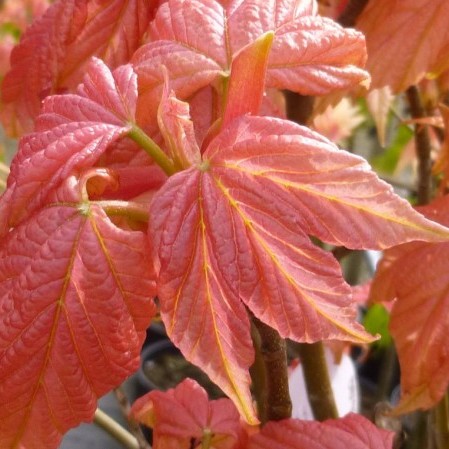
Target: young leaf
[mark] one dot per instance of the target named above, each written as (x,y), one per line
(52,54)
(76,298)
(353,431)
(247,81)
(416,275)
(71,133)
(184,414)
(234,229)
(405,41)
(197,41)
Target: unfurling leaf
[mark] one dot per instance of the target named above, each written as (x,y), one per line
(234,231)
(406,41)
(52,54)
(352,431)
(184,415)
(72,132)
(75,300)
(416,276)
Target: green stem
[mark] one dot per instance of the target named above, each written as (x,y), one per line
(153,149)
(319,389)
(207,439)
(129,209)
(273,350)
(114,429)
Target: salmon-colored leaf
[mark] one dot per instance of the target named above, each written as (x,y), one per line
(234,231)
(406,41)
(183,417)
(352,431)
(198,40)
(52,54)
(247,80)
(416,276)
(75,299)
(71,133)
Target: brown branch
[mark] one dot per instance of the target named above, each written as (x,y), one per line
(349,16)
(273,352)
(319,389)
(423,147)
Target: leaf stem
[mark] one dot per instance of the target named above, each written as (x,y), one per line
(273,350)
(113,428)
(423,147)
(152,148)
(319,389)
(130,209)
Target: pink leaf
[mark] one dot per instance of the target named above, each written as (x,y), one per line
(184,414)
(405,41)
(177,129)
(247,79)
(72,132)
(75,300)
(234,230)
(52,55)
(352,431)
(198,40)
(416,276)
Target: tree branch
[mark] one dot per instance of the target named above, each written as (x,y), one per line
(277,403)
(319,389)
(423,147)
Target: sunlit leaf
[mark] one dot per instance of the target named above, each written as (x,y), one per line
(416,276)
(75,300)
(53,53)
(406,41)
(197,41)
(233,231)
(71,133)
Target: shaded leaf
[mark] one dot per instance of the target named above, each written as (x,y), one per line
(72,132)
(53,52)
(416,276)
(75,299)
(184,415)
(197,41)
(406,41)
(353,431)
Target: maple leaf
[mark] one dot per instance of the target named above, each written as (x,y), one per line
(405,41)
(183,417)
(197,41)
(75,299)
(233,231)
(52,55)
(416,276)
(353,431)
(72,132)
